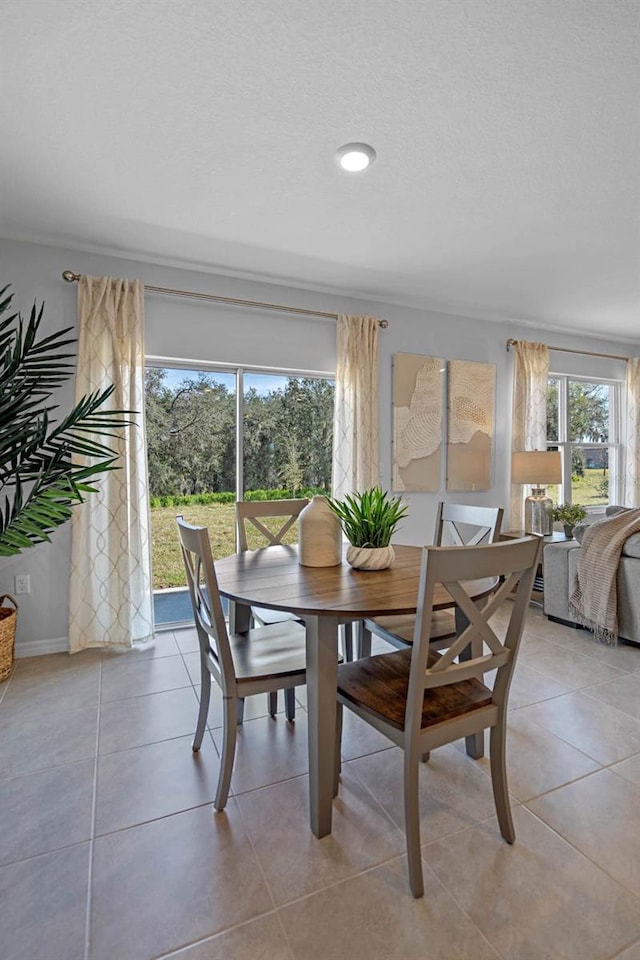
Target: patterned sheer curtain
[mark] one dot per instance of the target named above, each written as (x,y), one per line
(632,435)
(529,421)
(110,602)
(356,415)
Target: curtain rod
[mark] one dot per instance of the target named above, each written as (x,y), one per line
(71,277)
(585,353)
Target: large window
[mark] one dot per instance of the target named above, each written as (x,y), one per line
(583,422)
(218,435)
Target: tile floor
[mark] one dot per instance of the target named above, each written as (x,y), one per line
(110,850)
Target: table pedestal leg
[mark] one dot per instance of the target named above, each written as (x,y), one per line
(475,741)
(322,680)
(239,617)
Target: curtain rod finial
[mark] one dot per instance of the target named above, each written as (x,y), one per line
(70,276)
(383,324)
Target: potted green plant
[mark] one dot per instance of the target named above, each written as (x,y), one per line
(368,521)
(45,463)
(568,514)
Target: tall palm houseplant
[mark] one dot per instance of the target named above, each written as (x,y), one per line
(46,464)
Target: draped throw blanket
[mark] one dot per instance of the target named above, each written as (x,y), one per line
(594,601)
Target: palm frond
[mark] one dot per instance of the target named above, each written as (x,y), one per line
(46,467)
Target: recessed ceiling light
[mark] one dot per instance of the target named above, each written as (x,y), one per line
(355,157)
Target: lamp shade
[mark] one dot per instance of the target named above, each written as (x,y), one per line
(538,467)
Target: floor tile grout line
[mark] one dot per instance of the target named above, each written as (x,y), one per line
(184,686)
(387,815)
(145,823)
(577,636)
(598,866)
(619,671)
(458,904)
(255,854)
(620,955)
(568,742)
(549,676)
(624,713)
(560,786)
(214,936)
(94,804)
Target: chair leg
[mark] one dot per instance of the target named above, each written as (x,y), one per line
(347,642)
(290,703)
(497,755)
(205,695)
(475,741)
(273,703)
(229,732)
(412,823)
(364,641)
(240,710)
(338,758)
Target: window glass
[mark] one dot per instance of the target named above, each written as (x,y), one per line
(287,433)
(581,424)
(192,435)
(588,411)
(552,410)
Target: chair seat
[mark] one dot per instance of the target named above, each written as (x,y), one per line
(379,685)
(276,650)
(443,625)
(265,616)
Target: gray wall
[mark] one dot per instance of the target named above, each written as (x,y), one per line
(188,330)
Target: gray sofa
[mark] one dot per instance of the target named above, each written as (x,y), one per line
(560,563)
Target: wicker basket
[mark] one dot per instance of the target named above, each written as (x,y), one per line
(8,617)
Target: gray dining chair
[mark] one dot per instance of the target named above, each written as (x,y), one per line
(456,525)
(256,528)
(421,698)
(254,520)
(263,660)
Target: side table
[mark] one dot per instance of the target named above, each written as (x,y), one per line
(537,594)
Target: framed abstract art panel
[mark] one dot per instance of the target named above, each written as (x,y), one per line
(417,422)
(471,424)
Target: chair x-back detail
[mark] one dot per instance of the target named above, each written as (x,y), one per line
(252,513)
(263,660)
(421,699)
(456,525)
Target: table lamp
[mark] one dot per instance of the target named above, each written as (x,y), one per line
(537,467)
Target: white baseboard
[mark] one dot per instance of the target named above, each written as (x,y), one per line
(36,648)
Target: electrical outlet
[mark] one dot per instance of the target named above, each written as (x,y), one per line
(22,583)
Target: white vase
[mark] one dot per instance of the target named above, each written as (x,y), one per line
(370,558)
(319,535)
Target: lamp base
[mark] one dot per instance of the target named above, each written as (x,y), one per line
(538,513)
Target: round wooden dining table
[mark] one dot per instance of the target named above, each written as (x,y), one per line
(323,598)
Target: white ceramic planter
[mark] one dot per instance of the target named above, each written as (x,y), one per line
(370,558)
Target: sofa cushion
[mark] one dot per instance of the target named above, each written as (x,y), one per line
(613,510)
(632,546)
(580,528)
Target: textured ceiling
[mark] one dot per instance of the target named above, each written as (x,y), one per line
(203,132)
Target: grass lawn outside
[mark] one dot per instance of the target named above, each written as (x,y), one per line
(168,570)
(586,490)
(220,518)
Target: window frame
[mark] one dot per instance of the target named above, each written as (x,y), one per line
(239,370)
(614,443)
